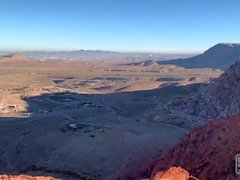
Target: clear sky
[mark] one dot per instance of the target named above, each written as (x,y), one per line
(120,25)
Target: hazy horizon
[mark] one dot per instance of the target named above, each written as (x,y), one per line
(103,50)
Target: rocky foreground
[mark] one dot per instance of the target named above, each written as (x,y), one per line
(207,153)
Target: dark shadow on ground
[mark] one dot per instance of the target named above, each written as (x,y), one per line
(80,136)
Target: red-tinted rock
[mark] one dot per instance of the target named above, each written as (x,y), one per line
(208,152)
(173,173)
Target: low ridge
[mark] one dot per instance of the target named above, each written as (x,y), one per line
(15,56)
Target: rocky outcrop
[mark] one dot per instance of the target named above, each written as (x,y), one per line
(220,98)
(25,177)
(207,153)
(10,104)
(173,173)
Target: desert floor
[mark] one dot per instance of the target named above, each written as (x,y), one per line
(75,120)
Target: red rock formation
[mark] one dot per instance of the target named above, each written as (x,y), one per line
(208,152)
(25,177)
(173,173)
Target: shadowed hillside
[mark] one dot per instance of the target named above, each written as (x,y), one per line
(220,98)
(207,153)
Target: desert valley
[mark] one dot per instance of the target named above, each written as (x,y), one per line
(117,119)
(119,90)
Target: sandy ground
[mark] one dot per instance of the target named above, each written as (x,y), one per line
(76,120)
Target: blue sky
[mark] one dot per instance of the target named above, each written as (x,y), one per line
(120,25)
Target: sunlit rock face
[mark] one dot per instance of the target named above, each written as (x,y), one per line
(173,173)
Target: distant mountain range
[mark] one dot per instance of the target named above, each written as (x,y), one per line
(220,56)
(71,54)
(93,54)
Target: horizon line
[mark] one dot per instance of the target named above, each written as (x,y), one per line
(153,51)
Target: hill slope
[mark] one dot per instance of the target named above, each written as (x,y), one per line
(220,98)
(220,56)
(208,152)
